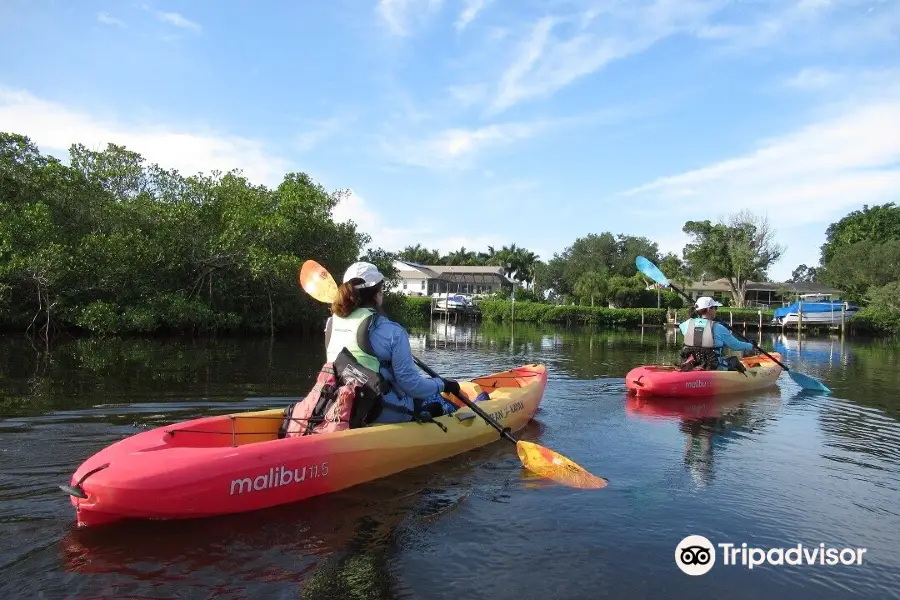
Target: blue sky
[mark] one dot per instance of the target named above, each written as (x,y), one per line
(483,122)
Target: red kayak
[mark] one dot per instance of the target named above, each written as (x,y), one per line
(661,380)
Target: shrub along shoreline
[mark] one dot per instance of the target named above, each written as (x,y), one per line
(868,321)
(536,312)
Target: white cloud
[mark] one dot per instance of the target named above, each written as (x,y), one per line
(567,44)
(400,15)
(813,78)
(469,12)
(458,147)
(354,207)
(801,26)
(107,19)
(319,132)
(545,64)
(179,20)
(424,231)
(468,95)
(814,175)
(53,126)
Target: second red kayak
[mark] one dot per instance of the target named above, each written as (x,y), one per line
(662,380)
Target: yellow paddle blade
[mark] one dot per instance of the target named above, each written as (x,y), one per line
(317,282)
(551,465)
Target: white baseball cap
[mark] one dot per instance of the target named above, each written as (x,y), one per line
(706,302)
(368,272)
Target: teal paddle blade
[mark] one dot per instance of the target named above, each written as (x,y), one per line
(650,270)
(807,382)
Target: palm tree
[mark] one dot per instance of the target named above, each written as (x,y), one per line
(590,283)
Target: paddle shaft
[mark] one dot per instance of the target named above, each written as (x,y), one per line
(755,346)
(475,408)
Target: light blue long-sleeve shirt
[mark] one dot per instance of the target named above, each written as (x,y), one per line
(721,337)
(390,342)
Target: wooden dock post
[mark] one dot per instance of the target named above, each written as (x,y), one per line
(843,317)
(642,319)
(799,318)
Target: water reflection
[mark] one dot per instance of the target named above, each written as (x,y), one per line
(709,425)
(777,466)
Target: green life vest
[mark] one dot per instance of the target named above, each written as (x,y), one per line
(351,332)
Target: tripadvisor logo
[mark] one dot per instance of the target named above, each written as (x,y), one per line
(696,555)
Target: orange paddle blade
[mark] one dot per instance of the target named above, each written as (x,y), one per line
(317,282)
(551,465)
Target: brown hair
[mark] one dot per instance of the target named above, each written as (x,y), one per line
(700,312)
(350,298)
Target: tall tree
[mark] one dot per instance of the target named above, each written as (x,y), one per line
(878,224)
(862,267)
(420,254)
(461,257)
(740,249)
(803,274)
(590,284)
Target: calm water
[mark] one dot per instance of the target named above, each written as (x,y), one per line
(770,469)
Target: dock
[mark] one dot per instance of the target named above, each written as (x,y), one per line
(453,313)
(838,325)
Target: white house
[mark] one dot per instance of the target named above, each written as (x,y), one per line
(425,280)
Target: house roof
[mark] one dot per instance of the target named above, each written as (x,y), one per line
(455,273)
(418,270)
(721,285)
(474,278)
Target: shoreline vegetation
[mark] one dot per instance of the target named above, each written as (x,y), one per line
(106,244)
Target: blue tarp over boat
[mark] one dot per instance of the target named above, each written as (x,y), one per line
(812,307)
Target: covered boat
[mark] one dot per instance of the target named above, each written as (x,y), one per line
(817,309)
(237,463)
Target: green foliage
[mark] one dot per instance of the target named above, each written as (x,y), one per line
(882,315)
(878,224)
(112,245)
(862,266)
(518,263)
(407,310)
(740,250)
(670,299)
(534,312)
(876,321)
(804,274)
(590,284)
(584,269)
(421,255)
(384,260)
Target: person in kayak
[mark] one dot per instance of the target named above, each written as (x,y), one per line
(359,324)
(705,340)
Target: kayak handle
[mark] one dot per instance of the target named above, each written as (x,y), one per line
(76,490)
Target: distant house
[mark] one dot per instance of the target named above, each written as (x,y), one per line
(425,280)
(759,294)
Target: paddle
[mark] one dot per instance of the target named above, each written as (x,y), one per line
(652,271)
(318,283)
